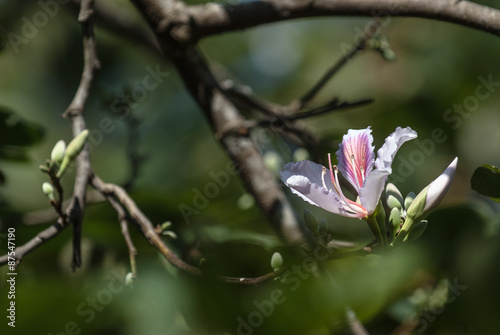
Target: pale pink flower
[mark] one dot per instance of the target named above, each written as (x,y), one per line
(356,161)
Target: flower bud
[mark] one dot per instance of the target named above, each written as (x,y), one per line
(392,191)
(73,149)
(276,261)
(48,189)
(170,234)
(245,202)
(432,195)
(272,161)
(57,153)
(129,279)
(409,199)
(165,225)
(395,221)
(392,202)
(427,200)
(300,154)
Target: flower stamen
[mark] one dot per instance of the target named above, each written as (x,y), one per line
(323,174)
(351,205)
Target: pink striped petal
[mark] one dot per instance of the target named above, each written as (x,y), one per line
(355,156)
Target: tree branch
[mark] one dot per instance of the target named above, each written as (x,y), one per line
(188,24)
(74,112)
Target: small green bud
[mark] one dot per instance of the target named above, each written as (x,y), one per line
(72,150)
(416,231)
(273,161)
(391,189)
(245,202)
(129,279)
(395,220)
(48,189)
(409,199)
(389,55)
(57,153)
(417,207)
(165,225)
(170,234)
(300,154)
(392,202)
(311,222)
(276,261)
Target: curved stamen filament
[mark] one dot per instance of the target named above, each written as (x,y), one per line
(351,205)
(323,174)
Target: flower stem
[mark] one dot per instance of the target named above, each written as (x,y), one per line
(375,228)
(404,231)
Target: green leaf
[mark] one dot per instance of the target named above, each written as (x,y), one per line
(486,181)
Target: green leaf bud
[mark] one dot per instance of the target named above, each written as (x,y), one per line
(392,202)
(395,221)
(72,150)
(416,208)
(170,234)
(57,153)
(129,279)
(409,199)
(48,189)
(276,261)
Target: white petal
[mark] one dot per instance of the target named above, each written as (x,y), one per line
(303,178)
(393,142)
(439,187)
(370,193)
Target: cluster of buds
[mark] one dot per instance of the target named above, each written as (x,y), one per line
(60,159)
(408,222)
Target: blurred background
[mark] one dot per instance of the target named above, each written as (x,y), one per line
(158,142)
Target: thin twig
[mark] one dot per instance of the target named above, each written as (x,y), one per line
(345,59)
(122,218)
(111,191)
(48,214)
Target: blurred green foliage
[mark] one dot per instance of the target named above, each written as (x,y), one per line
(438,66)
